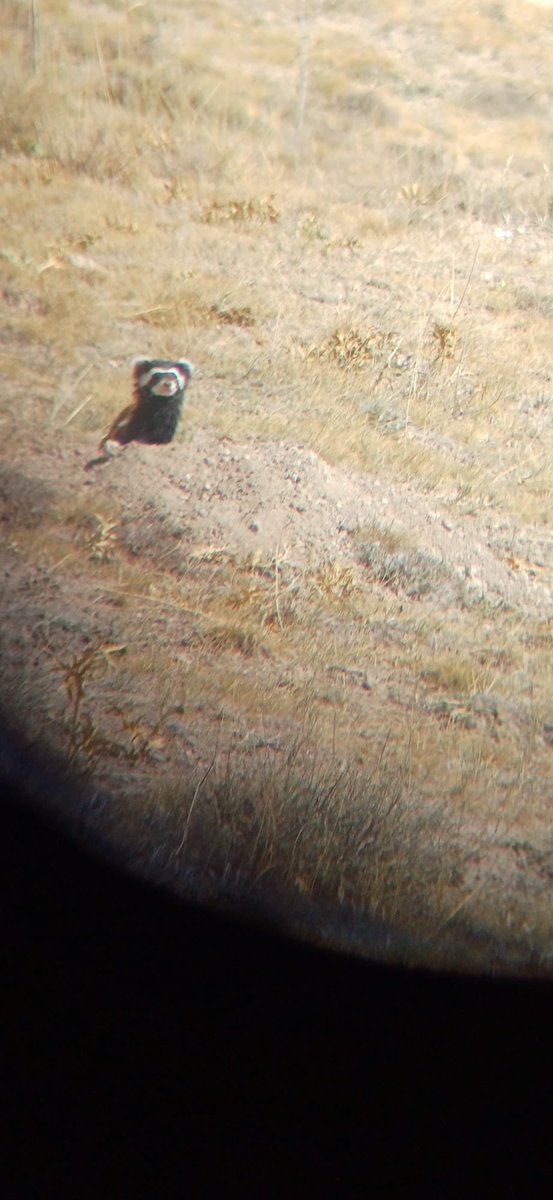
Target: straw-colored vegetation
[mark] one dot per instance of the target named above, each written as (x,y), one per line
(344,215)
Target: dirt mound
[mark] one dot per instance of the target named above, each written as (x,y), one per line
(207,496)
(362,563)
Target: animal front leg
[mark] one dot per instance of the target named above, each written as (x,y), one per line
(110,450)
(115,440)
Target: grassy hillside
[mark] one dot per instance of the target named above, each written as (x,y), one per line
(344,217)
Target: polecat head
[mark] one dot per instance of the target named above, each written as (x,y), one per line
(159,377)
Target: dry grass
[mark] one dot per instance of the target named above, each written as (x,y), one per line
(346,220)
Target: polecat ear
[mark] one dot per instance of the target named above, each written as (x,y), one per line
(184,365)
(141,368)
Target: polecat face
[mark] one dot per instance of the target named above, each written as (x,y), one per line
(160,378)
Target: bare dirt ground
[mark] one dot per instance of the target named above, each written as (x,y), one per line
(299,658)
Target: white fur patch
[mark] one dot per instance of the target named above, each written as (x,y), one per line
(178,379)
(110,447)
(168,385)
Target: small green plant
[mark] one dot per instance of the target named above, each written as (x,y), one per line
(311,229)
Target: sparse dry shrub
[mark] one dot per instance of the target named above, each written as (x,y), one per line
(145,739)
(242,317)
(416,573)
(198,301)
(420,194)
(257,210)
(335,581)
(147,90)
(265,600)
(390,539)
(457,673)
(100,537)
(318,831)
(86,741)
(353,348)
(234,635)
(444,338)
(209,553)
